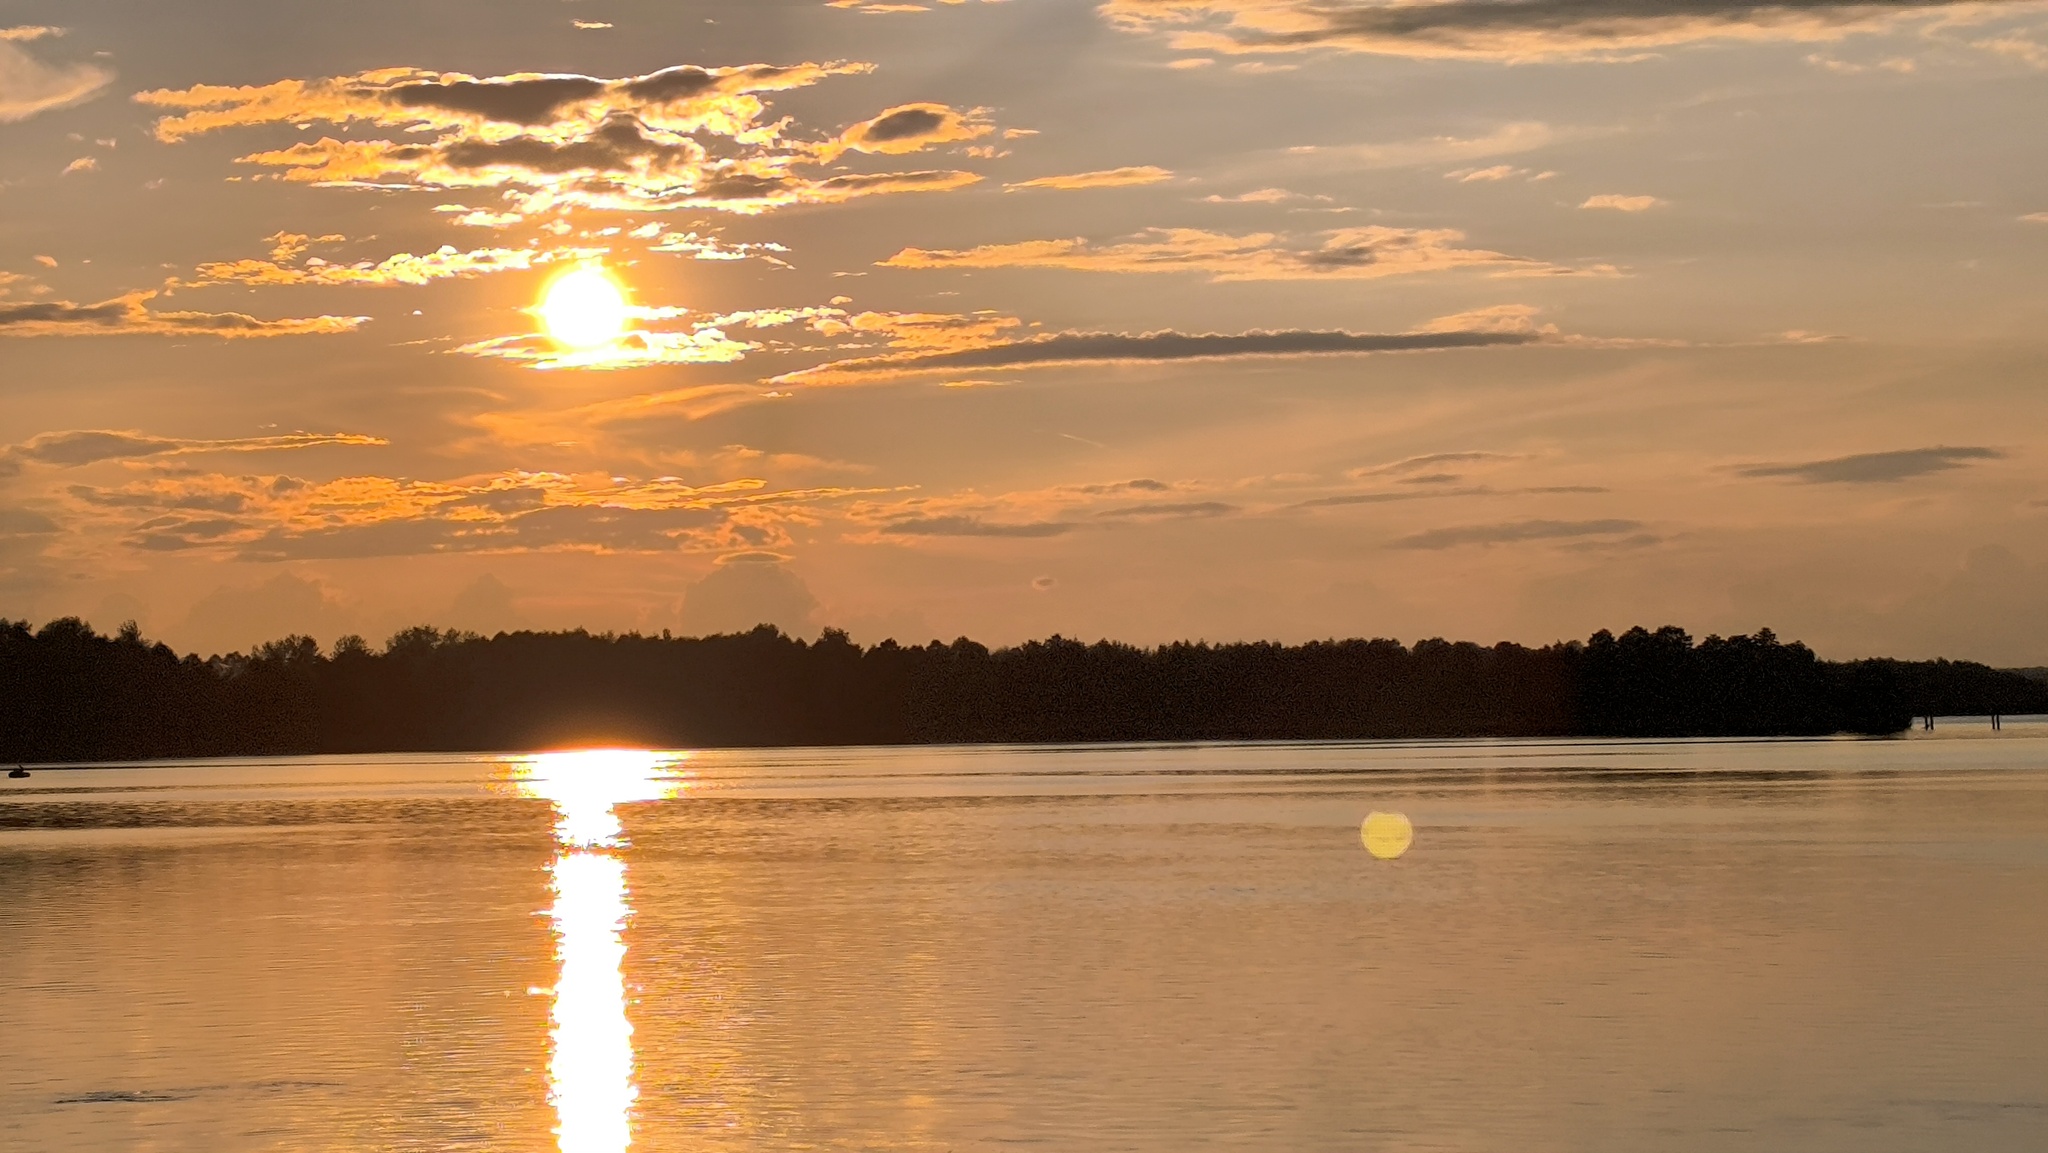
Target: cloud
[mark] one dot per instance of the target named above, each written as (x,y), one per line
(706,340)
(1506,140)
(1497,173)
(577,528)
(912,127)
(974,526)
(236,617)
(682,137)
(284,518)
(89,446)
(28,86)
(1351,253)
(1434,461)
(1346,500)
(1105,178)
(1497,31)
(639,348)
(1620,203)
(1876,467)
(1072,348)
(127,315)
(1515,532)
(445,263)
(1260,196)
(1203,508)
(747,589)
(26,522)
(82,164)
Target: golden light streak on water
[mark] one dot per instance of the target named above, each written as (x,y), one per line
(590,1072)
(590,1068)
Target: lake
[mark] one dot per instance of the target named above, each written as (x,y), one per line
(1568,946)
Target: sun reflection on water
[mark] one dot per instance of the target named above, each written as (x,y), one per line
(590,1070)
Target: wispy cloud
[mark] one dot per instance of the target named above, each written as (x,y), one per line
(1072,348)
(1104,178)
(1489,30)
(1877,467)
(284,518)
(1431,462)
(29,86)
(1366,253)
(89,446)
(973,526)
(1171,510)
(129,316)
(445,263)
(1515,532)
(1621,203)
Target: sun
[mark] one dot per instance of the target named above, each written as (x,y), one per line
(584,308)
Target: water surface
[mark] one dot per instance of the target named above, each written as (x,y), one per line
(1770,945)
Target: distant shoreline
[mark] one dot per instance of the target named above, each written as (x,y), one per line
(70,695)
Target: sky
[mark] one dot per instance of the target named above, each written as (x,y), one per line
(1139,319)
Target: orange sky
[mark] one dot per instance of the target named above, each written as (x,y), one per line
(1141,319)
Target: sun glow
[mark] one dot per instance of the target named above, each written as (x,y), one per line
(585,308)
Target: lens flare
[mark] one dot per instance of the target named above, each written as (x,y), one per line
(1386,835)
(584,308)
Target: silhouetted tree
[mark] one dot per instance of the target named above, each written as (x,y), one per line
(70,694)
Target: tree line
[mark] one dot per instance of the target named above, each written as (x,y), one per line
(68,693)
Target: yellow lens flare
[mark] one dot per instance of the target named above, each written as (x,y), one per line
(1386,835)
(585,308)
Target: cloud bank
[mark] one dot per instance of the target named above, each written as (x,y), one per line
(682,137)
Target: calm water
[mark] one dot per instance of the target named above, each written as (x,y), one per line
(1719,946)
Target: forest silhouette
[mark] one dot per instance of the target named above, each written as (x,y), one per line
(68,693)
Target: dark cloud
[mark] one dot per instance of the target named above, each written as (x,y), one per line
(230,502)
(621,142)
(1877,467)
(22,522)
(88,446)
(671,84)
(127,315)
(974,526)
(1508,29)
(524,100)
(904,124)
(1514,532)
(1150,347)
(173,535)
(1187,509)
(1384,497)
